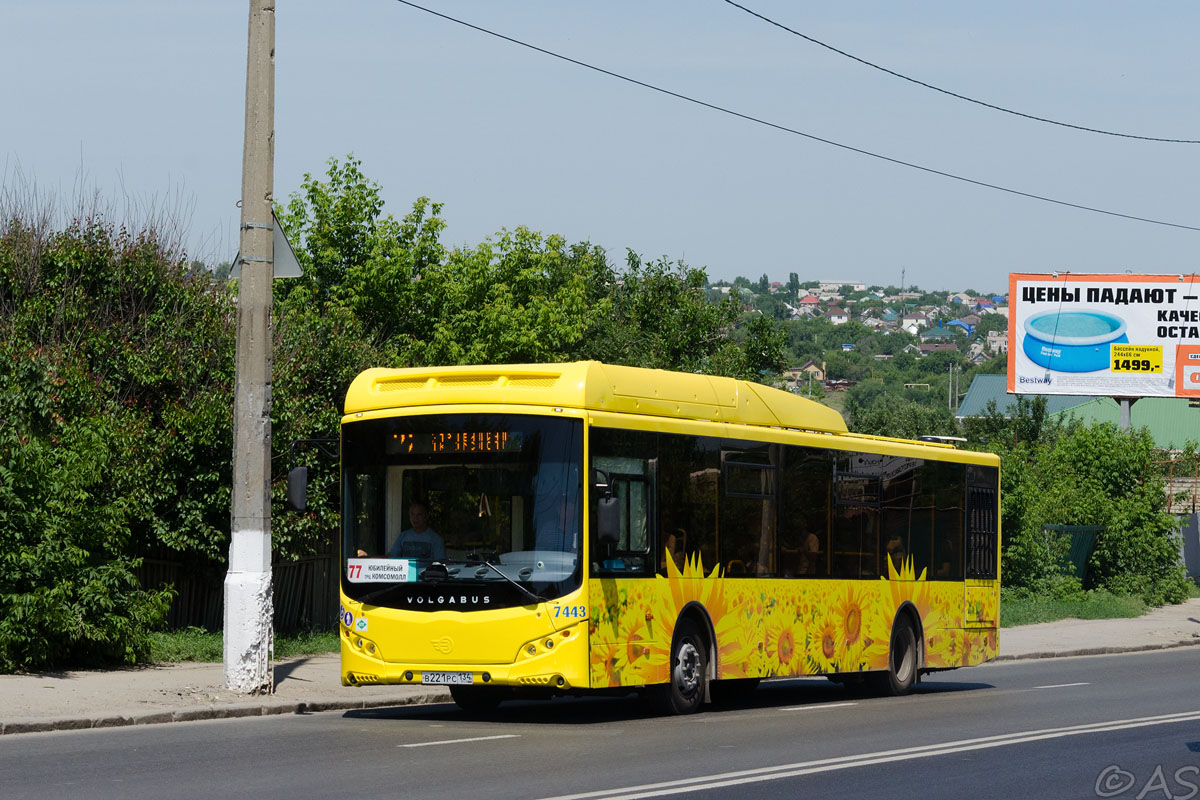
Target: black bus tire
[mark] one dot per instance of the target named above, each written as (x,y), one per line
(684,691)
(903,669)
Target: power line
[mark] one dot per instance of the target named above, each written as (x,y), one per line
(793,131)
(950,93)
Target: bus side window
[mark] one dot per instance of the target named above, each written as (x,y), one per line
(804,520)
(629,459)
(688,470)
(949,501)
(747,524)
(906,534)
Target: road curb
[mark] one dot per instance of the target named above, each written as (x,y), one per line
(216,712)
(1097,651)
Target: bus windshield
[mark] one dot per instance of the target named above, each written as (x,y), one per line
(481,508)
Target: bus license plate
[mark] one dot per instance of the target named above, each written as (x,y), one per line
(447,678)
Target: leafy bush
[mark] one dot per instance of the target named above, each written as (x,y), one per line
(114,381)
(1077,475)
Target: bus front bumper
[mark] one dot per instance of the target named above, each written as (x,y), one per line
(555,662)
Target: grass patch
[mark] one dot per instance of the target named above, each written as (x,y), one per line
(197,644)
(305,644)
(1099,604)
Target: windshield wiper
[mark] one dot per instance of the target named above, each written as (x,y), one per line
(372,595)
(534,597)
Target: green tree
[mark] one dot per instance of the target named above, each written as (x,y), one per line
(115,389)
(901,418)
(1073,474)
(660,318)
(772,305)
(521,298)
(991,322)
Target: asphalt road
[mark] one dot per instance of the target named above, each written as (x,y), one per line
(1104,726)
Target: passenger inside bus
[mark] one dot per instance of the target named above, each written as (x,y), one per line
(674,543)
(896,551)
(809,562)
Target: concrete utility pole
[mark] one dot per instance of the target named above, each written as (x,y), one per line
(249,637)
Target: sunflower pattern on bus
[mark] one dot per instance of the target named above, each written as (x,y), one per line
(770,628)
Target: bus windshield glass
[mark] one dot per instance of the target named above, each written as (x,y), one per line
(485,508)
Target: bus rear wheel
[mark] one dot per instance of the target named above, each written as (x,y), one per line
(903,669)
(684,692)
(477,699)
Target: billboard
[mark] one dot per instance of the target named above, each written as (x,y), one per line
(1107,335)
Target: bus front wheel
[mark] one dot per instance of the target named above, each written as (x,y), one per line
(684,693)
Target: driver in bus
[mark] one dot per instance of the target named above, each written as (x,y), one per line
(418,541)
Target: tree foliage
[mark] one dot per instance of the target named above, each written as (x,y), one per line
(1055,474)
(114,392)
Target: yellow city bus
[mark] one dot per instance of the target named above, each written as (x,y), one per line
(532,530)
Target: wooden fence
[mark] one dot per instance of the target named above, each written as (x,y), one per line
(305,593)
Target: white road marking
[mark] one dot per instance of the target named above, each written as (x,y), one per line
(1062,685)
(460,741)
(818,707)
(722,780)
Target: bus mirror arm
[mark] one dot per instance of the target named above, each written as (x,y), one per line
(602,482)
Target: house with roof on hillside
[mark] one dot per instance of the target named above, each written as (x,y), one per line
(1172,421)
(994,388)
(836,286)
(943,334)
(961,324)
(913,321)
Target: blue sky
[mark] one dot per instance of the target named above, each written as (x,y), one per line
(143,102)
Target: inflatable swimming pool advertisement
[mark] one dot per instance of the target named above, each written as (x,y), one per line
(1108,335)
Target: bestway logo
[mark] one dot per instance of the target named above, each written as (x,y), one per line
(1046,381)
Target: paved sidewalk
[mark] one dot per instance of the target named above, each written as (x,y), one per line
(1170,626)
(179,692)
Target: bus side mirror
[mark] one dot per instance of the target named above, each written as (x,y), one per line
(297,489)
(608,521)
